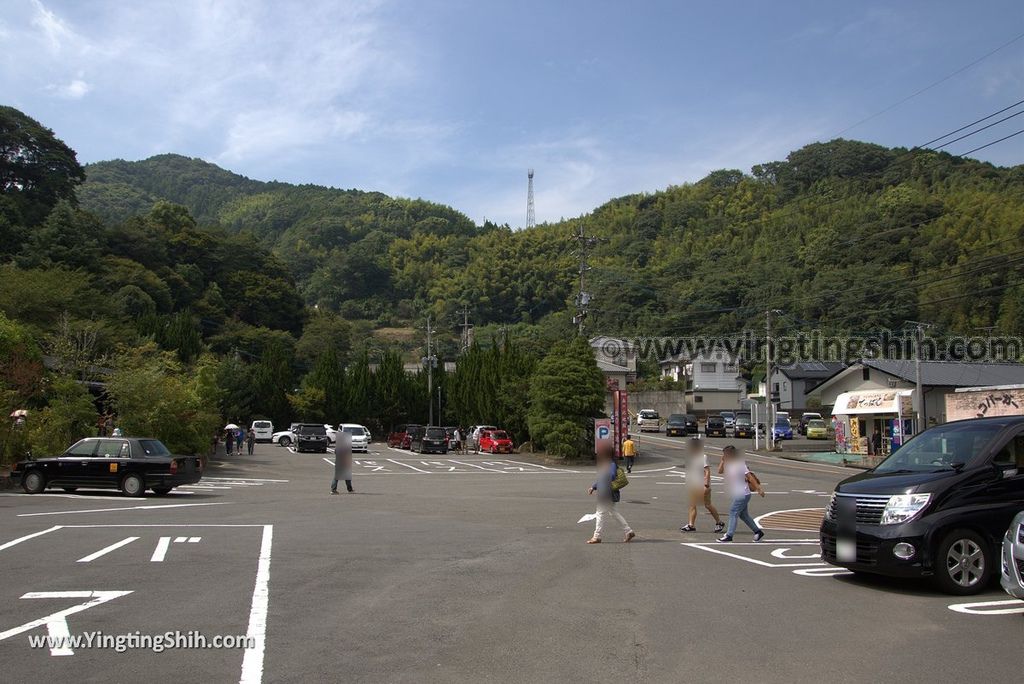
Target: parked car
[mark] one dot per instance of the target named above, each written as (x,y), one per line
(816,429)
(285,438)
(744,428)
(782,429)
(692,426)
(730,420)
(938,507)
(396,436)
(715,427)
(360,436)
(806,418)
(495,442)
(429,440)
(675,426)
(401,436)
(449,434)
(132,464)
(1013,558)
(474,435)
(648,420)
(264,430)
(332,433)
(311,437)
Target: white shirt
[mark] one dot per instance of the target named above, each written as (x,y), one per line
(736,478)
(695,465)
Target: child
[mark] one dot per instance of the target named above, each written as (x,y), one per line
(607,497)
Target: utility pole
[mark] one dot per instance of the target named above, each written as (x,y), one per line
(585,244)
(769,422)
(466,327)
(430,360)
(922,413)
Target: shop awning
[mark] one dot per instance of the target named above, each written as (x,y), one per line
(874,401)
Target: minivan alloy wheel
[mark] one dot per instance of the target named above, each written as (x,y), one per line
(965,562)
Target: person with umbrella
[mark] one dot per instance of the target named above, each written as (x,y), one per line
(229,438)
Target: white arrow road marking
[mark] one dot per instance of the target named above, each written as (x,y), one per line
(124,508)
(56,623)
(105,550)
(989,607)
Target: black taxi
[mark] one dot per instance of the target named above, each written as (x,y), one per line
(130,464)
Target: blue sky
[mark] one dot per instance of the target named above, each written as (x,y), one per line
(452,100)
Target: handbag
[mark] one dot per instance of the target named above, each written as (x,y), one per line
(620,480)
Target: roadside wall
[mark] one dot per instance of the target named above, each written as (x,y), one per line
(664,402)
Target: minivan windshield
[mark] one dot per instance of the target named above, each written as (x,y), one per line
(942,447)
(676,419)
(435,433)
(648,414)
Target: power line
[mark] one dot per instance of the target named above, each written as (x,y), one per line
(983,128)
(931,85)
(1007,137)
(984,118)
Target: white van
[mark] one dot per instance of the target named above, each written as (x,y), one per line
(648,420)
(264,430)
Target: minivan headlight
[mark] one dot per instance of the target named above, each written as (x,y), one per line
(903,507)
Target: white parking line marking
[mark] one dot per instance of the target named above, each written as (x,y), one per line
(245,479)
(989,607)
(252,661)
(824,571)
(104,551)
(15,542)
(473,465)
(755,561)
(193,540)
(408,466)
(161,550)
(783,554)
(180,540)
(537,465)
(123,508)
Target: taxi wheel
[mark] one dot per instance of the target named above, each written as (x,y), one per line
(33,482)
(133,485)
(962,563)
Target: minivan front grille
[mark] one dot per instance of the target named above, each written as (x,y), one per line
(869,507)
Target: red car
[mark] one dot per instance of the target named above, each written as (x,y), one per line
(401,436)
(495,442)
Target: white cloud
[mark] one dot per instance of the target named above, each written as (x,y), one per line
(73,90)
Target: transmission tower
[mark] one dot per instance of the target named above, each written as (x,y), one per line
(531,219)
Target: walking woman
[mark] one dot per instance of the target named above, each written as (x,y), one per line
(739,482)
(250,440)
(342,462)
(607,497)
(229,441)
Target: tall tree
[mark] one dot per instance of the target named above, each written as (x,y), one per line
(37,170)
(566,394)
(272,382)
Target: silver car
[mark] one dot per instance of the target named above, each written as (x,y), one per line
(1013,558)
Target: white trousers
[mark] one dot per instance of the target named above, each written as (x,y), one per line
(606,509)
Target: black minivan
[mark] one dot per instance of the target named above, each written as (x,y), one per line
(937,507)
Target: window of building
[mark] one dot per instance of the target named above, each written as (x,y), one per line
(707,367)
(698,399)
(865,373)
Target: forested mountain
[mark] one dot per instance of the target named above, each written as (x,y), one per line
(193,295)
(846,236)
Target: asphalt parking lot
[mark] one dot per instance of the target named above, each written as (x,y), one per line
(467,568)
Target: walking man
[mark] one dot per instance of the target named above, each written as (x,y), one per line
(698,486)
(250,440)
(607,497)
(342,462)
(229,441)
(739,482)
(629,452)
